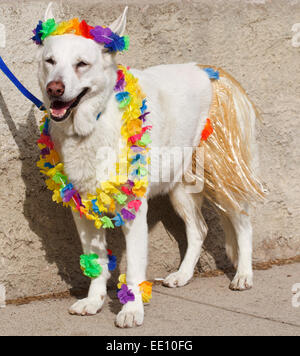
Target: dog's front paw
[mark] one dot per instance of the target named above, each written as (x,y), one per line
(132,314)
(177,279)
(87,306)
(242,282)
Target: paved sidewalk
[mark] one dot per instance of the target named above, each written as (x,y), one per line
(205,307)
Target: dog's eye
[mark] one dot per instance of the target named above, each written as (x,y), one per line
(50,61)
(81,64)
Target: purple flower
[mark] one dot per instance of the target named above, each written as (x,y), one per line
(131,183)
(102,34)
(143,117)
(67,193)
(125,295)
(120,85)
(135,148)
(45,151)
(127,215)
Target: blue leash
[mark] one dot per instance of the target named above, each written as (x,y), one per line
(20,86)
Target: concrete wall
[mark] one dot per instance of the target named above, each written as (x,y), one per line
(39,247)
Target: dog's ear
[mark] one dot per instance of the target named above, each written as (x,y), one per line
(119,25)
(49,12)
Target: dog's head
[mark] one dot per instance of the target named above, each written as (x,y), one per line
(77,76)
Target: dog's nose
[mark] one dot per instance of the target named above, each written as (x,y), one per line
(55,88)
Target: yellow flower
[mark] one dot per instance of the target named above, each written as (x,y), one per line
(119,180)
(140,187)
(106,200)
(122,280)
(102,208)
(41,146)
(132,112)
(122,166)
(71,204)
(91,197)
(51,185)
(124,132)
(98,223)
(88,204)
(63,27)
(56,196)
(41,164)
(59,168)
(108,188)
(141,183)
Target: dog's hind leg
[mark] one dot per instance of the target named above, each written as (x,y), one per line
(238,232)
(93,241)
(188,206)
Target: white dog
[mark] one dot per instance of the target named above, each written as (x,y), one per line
(81,75)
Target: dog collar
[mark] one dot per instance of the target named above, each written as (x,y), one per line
(100,34)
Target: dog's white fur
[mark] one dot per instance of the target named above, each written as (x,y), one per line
(179,98)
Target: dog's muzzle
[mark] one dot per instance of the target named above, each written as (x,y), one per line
(60,110)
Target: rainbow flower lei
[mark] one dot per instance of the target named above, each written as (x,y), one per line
(100,34)
(120,196)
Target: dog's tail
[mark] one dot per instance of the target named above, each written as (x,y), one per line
(230,155)
(230,152)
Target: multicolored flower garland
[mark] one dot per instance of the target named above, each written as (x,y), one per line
(104,35)
(120,196)
(92,269)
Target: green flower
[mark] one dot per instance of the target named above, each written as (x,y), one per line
(90,266)
(121,198)
(107,223)
(126,42)
(47,28)
(59,177)
(146,140)
(125,103)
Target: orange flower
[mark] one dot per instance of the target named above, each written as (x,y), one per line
(207,131)
(134,127)
(146,289)
(75,24)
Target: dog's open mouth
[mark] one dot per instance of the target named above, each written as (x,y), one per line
(60,110)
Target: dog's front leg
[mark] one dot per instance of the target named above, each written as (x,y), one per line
(136,233)
(93,241)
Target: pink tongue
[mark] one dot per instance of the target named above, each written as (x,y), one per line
(59,108)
